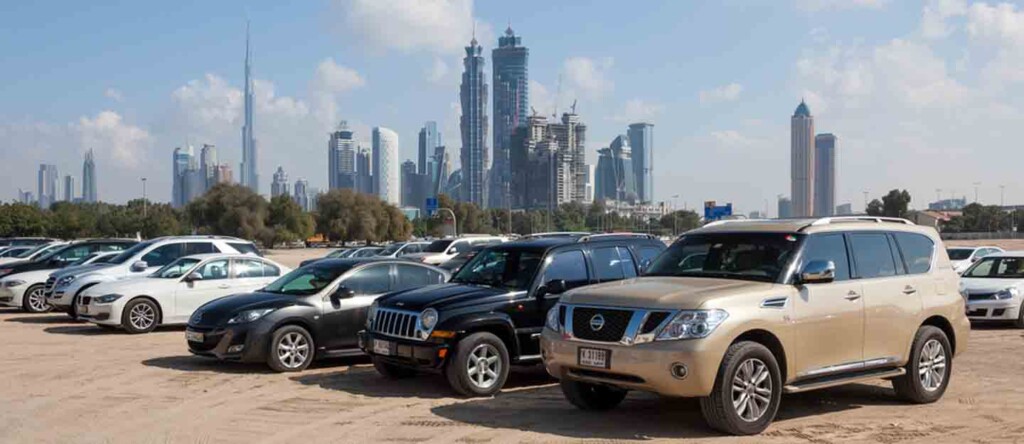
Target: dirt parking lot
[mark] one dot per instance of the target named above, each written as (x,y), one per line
(68,382)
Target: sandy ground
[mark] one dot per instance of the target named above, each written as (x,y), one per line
(66,382)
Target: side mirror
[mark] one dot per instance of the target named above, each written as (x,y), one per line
(192,277)
(556,286)
(139,266)
(975,259)
(818,272)
(342,292)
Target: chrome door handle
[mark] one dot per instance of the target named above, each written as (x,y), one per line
(909,290)
(852,296)
(224,286)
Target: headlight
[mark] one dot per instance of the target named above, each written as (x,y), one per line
(371,314)
(13,283)
(249,316)
(107,298)
(428,320)
(552,319)
(1007,293)
(692,324)
(66,280)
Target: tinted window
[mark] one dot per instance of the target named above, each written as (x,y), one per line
(73,253)
(244,248)
(375,279)
(412,276)
(512,269)
(997,267)
(647,255)
(917,251)
(175,269)
(959,254)
(828,247)
(568,266)
(199,248)
(306,280)
(872,255)
(162,255)
(438,246)
(460,247)
(213,270)
(411,249)
(750,256)
(248,268)
(612,263)
(270,270)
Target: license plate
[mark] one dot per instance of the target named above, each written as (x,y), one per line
(594,357)
(381,347)
(83,309)
(194,336)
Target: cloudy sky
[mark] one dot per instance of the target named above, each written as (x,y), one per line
(922,95)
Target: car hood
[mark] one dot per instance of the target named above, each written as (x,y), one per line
(442,296)
(133,287)
(674,293)
(988,285)
(218,311)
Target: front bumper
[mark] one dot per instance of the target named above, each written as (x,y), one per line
(60,298)
(405,352)
(12,296)
(993,310)
(646,367)
(242,342)
(99,314)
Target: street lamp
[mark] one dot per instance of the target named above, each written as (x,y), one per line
(144,209)
(455,221)
(675,216)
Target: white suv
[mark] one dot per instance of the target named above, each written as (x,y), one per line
(441,250)
(141,260)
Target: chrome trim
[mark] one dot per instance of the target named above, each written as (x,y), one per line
(631,336)
(395,323)
(776,303)
(849,366)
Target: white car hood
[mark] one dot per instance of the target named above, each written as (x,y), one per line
(133,287)
(986,285)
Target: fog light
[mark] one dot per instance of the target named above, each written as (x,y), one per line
(679,370)
(236,348)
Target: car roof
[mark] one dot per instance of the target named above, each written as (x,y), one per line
(1014,253)
(205,256)
(815,225)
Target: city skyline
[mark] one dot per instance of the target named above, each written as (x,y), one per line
(861,80)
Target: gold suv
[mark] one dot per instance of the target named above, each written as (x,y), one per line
(737,313)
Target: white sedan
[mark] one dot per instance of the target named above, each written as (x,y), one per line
(963,257)
(172,293)
(994,288)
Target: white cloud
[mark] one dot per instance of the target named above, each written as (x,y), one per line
(541,98)
(113,94)
(333,78)
(731,139)
(439,26)
(1002,24)
(588,77)
(819,5)
(725,93)
(107,132)
(638,110)
(936,14)
(438,71)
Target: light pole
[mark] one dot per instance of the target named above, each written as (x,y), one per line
(675,216)
(455,221)
(865,201)
(976,191)
(144,202)
(1002,193)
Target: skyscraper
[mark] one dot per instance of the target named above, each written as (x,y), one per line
(250,162)
(824,174)
(442,170)
(301,194)
(89,178)
(386,183)
(341,158)
(208,164)
(785,207)
(179,190)
(571,134)
(280,184)
(510,79)
(410,180)
(429,140)
(364,176)
(641,139)
(48,186)
(615,179)
(475,158)
(547,162)
(802,161)
(69,188)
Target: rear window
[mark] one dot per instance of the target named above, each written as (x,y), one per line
(245,248)
(872,255)
(917,252)
(438,246)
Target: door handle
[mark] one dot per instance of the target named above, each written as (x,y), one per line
(909,290)
(852,296)
(223,286)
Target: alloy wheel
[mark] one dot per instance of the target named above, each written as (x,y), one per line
(293,350)
(483,366)
(931,367)
(37,300)
(751,390)
(142,316)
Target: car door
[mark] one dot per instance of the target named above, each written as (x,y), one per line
(160,256)
(566,265)
(889,301)
(215,283)
(250,274)
(409,276)
(828,318)
(343,320)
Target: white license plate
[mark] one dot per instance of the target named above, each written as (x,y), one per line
(594,357)
(83,309)
(194,336)
(381,347)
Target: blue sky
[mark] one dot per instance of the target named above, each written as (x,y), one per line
(922,95)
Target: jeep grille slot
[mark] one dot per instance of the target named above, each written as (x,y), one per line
(612,327)
(397,323)
(653,321)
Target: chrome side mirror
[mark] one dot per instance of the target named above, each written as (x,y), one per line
(139,266)
(818,272)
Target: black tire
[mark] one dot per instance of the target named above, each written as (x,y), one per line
(911,386)
(595,397)
(743,360)
(392,371)
(495,372)
(140,315)
(1019,323)
(73,310)
(291,349)
(34,301)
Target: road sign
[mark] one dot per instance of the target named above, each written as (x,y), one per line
(431,205)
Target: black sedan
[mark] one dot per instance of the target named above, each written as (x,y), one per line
(312,312)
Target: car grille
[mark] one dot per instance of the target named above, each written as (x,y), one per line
(48,286)
(981,296)
(612,330)
(86,300)
(397,323)
(653,321)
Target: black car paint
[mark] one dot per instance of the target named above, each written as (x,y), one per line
(52,263)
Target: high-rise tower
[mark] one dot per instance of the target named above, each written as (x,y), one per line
(280,184)
(801,168)
(510,80)
(475,158)
(641,139)
(341,158)
(89,178)
(824,174)
(248,172)
(386,182)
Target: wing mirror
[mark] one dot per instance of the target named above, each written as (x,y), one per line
(139,266)
(818,272)
(192,277)
(555,286)
(342,292)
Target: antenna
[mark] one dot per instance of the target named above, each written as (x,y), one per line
(574,106)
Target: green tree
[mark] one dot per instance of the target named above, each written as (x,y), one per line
(286,222)
(679,221)
(230,210)
(896,203)
(17,219)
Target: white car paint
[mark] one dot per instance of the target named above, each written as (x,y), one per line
(980,293)
(976,254)
(457,246)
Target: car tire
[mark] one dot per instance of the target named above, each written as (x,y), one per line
(140,315)
(1019,323)
(929,368)
(392,371)
(479,366)
(73,310)
(744,409)
(34,300)
(595,397)
(291,349)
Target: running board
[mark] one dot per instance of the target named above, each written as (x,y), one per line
(845,378)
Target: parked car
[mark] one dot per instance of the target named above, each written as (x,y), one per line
(25,241)
(24,283)
(312,312)
(444,249)
(170,295)
(963,257)
(35,253)
(993,288)
(771,307)
(141,260)
(333,254)
(401,249)
(7,252)
(491,313)
(100,257)
(454,264)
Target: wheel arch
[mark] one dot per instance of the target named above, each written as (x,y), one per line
(770,341)
(159,307)
(943,324)
(503,331)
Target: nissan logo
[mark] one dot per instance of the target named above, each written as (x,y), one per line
(597,322)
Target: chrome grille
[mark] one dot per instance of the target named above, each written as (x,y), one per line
(619,325)
(397,323)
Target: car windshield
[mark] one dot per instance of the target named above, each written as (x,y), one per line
(509,269)
(30,252)
(131,252)
(104,258)
(306,280)
(391,249)
(438,246)
(959,254)
(84,259)
(50,250)
(336,253)
(175,269)
(747,256)
(997,268)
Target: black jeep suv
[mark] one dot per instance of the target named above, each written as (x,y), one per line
(491,314)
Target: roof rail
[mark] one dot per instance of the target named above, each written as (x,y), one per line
(602,236)
(728,221)
(874,219)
